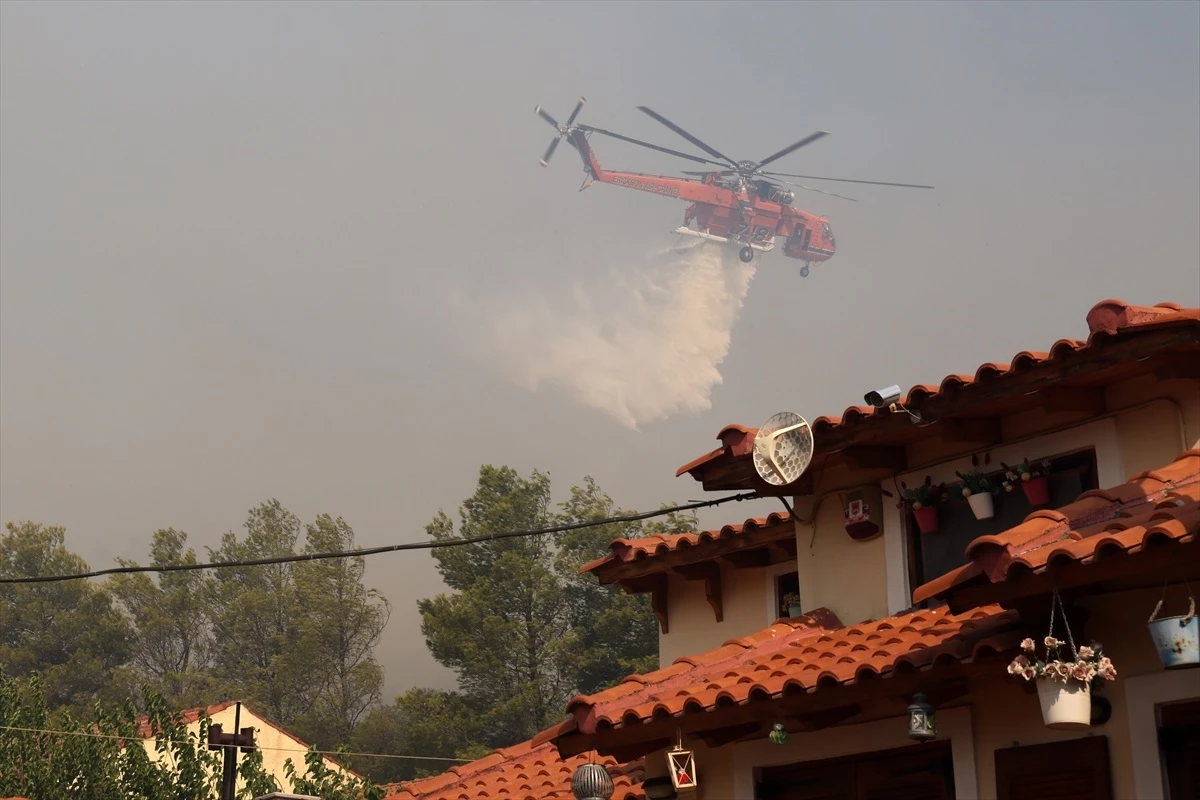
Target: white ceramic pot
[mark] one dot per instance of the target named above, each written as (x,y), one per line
(1066,705)
(981,505)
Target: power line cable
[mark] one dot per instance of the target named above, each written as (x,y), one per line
(256,747)
(370,551)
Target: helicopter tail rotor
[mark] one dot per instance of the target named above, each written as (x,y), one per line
(563,130)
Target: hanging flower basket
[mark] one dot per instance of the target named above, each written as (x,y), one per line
(923,503)
(1177,638)
(1064,684)
(927,518)
(1033,479)
(980,491)
(1066,705)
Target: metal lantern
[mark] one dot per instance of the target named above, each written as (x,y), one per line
(682,764)
(779,734)
(592,782)
(922,721)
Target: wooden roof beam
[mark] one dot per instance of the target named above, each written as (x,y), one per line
(890,458)
(1085,401)
(981,431)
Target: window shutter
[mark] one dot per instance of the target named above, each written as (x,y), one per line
(1075,769)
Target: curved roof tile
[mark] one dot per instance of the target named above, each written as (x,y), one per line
(1159,503)
(1106,320)
(803,654)
(527,771)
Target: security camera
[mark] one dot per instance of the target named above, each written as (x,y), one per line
(883,398)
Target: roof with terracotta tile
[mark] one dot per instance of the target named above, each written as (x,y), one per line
(522,772)
(1157,505)
(805,654)
(1109,321)
(627,551)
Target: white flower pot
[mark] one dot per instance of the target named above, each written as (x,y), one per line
(981,505)
(1066,705)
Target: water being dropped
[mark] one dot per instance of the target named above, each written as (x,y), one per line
(639,345)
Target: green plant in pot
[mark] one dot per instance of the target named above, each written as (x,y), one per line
(1033,479)
(923,502)
(980,491)
(791,601)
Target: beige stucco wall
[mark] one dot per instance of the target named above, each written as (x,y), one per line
(836,572)
(1151,423)
(999,712)
(277,747)
(860,581)
(693,627)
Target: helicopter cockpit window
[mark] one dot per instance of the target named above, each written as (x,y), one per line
(825,231)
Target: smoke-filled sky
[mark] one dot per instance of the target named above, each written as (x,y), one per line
(306,251)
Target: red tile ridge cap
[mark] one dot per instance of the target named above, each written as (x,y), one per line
(1111,316)
(1004,552)
(784,634)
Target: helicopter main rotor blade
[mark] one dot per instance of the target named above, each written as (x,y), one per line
(848,180)
(575,113)
(790,148)
(550,150)
(541,112)
(821,191)
(667,150)
(687,135)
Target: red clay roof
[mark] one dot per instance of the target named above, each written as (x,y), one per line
(806,653)
(1106,320)
(625,551)
(521,772)
(1157,504)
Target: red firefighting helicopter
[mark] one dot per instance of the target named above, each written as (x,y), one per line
(735,204)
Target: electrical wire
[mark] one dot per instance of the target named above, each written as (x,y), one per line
(370,551)
(256,747)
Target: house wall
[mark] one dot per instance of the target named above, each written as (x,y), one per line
(1151,423)
(747,602)
(277,747)
(999,712)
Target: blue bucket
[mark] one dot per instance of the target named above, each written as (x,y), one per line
(1177,638)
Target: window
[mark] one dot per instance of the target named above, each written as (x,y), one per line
(933,555)
(785,584)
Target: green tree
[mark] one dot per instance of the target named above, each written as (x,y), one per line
(46,759)
(506,629)
(521,627)
(69,630)
(617,632)
(342,621)
(258,651)
(436,724)
(173,638)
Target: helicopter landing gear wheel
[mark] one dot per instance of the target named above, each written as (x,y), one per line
(746,254)
(804,271)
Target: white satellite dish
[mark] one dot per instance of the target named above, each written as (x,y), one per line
(783,448)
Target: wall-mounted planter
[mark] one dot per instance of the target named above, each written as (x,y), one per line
(1037,490)
(927,518)
(1066,705)
(982,505)
(1177,638)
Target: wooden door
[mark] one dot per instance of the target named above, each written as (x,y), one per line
(1075,769)
(1179,740)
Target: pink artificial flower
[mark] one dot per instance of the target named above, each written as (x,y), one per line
(1064,670)
(1080,673)
(1027,644)
(1030,673)
(1086,652)
(1050,641)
